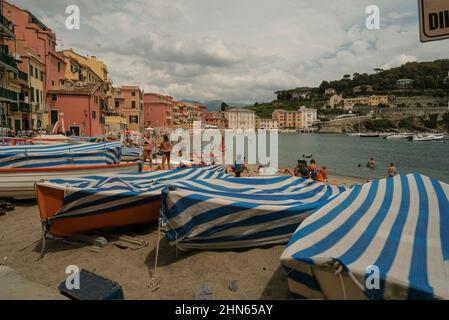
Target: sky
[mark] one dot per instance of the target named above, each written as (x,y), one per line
(239,51)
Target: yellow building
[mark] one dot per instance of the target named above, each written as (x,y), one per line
(99,71)
(287,119)
(372,101)
(36,96)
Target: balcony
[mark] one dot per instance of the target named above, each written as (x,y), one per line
(13,107)
(7,27)
(25,107)
(8,94)
(8,60)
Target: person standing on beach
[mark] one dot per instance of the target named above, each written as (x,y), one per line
(392,171)
(148,148)
(166,150)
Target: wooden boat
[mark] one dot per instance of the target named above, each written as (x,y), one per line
(18,183)
(369,135)
(50,201)
(103,201)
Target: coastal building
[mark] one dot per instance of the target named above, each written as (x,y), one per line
(266,124)
(404,83)
(76,109)
(287,119)
(335,101)
(237,118)
(158,110)
(131,100)
(41,66)
(10,115)
(330,91)
(215,119)
(372,101)
(185,113)
(362,89)
(91,70)
(308,117)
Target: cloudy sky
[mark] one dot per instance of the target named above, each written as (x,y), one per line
(237,50)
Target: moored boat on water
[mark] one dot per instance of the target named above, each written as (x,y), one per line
(399,136)
(427,137)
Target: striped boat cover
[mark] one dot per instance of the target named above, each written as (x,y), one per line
(233,212)
(132,153)
(43,156)
(400,225)
(98,194)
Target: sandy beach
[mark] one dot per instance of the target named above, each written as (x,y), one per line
(179,274)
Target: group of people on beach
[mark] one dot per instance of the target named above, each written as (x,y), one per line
(151,150)
(391,171)
(309,171)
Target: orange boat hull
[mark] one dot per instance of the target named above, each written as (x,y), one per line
(50,200)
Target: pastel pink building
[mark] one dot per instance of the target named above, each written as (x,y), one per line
(128,100)
(79,107)
(41,40)
(158,110)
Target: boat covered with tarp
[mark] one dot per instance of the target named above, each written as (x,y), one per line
(69,206)
(22,166)
(386,239)
(51,156)
(228,212)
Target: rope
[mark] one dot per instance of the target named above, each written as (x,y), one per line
(338,269)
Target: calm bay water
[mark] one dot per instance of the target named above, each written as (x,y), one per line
(342,154)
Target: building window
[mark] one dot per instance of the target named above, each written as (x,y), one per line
(59,66)
(32,94)
(94,114)
(37,96)
(117,104)
(133,104)
(53,83)
(54,97)
(31,70)
(133,93)
(42,76)
(133,119)
(36,73)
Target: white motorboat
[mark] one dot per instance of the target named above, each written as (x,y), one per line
(399,136)
(427,137)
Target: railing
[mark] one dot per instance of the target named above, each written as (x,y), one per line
(7,59)
(13,107)
(25,107)
(6,23)
(8,94)
(23,76)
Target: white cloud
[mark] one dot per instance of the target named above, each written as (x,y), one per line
(237,50)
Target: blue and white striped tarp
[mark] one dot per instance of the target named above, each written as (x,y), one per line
(131,154)
(44,156)
(233,212)
(399,225)
(98,194)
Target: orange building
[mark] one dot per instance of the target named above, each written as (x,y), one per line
(158,110)
(78,108)
(129,103)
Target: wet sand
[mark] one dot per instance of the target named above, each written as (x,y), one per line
(179,274)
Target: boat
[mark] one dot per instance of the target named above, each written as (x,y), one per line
(369,135)
(385,239)
(427,137)
(399,136)
(70,206)
(22,166)
(231,213)
(131,154)
(19,183)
